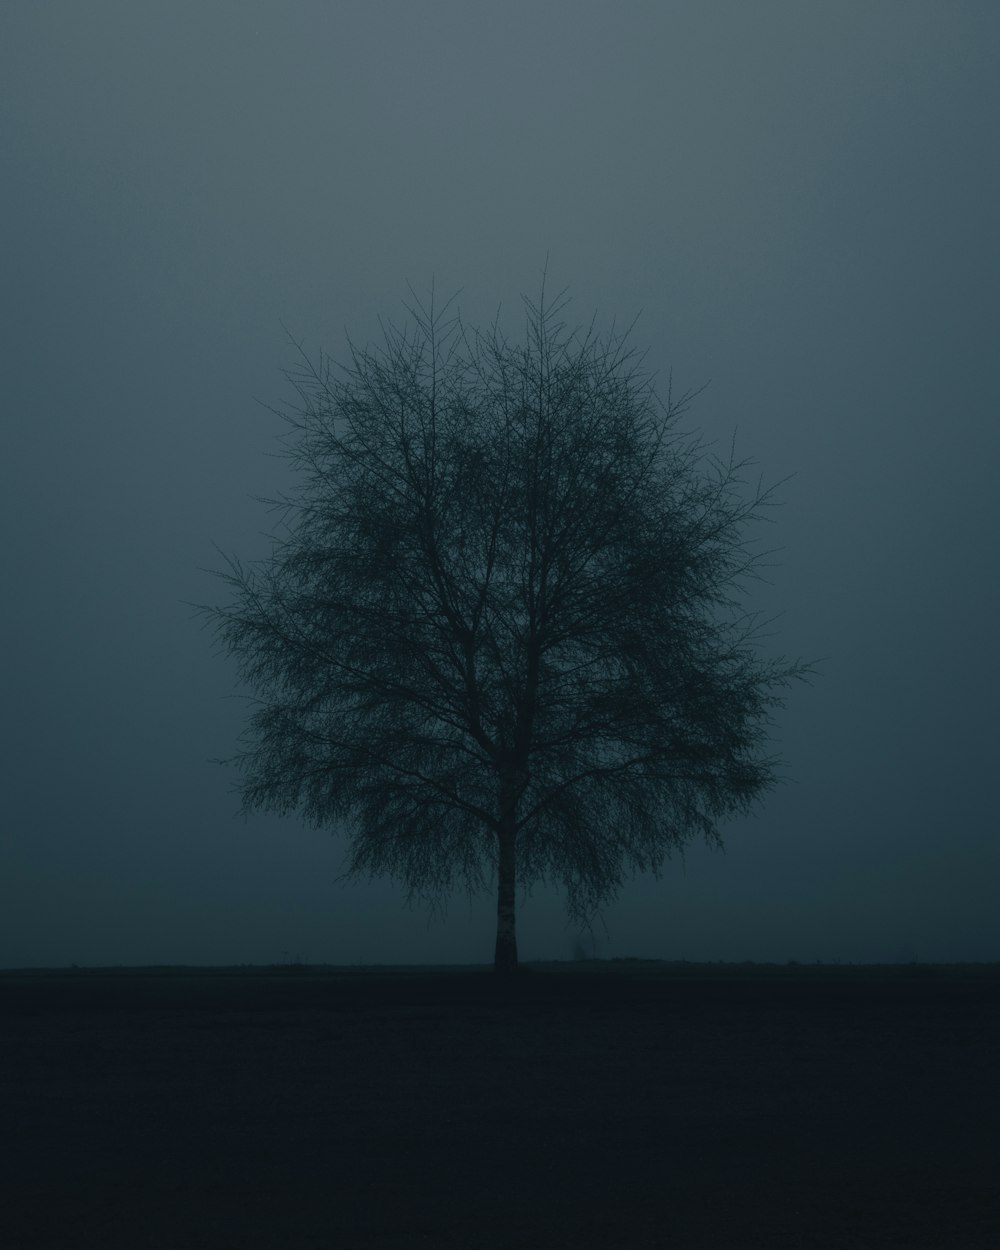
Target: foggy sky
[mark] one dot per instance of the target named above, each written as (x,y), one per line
(799,198)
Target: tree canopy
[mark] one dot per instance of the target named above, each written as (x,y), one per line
(500,637)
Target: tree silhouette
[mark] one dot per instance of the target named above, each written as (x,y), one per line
(499,637)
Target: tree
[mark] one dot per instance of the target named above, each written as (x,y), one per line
(499,636)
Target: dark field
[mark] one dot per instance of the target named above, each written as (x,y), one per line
(590,1105)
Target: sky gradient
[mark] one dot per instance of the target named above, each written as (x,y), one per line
(801,202)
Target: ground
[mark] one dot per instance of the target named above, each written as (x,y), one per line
(605,1105)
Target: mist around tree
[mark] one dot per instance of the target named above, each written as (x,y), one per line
(502,635)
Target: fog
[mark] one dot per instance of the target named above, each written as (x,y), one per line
(800,201)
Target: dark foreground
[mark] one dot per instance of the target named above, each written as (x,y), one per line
(614,1105)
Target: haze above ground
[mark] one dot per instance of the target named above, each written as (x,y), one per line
(801,201)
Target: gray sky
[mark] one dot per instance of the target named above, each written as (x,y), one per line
(799,198)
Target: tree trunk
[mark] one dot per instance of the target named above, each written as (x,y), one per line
(505,958)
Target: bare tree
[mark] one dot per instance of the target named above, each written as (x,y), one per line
(500,637)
